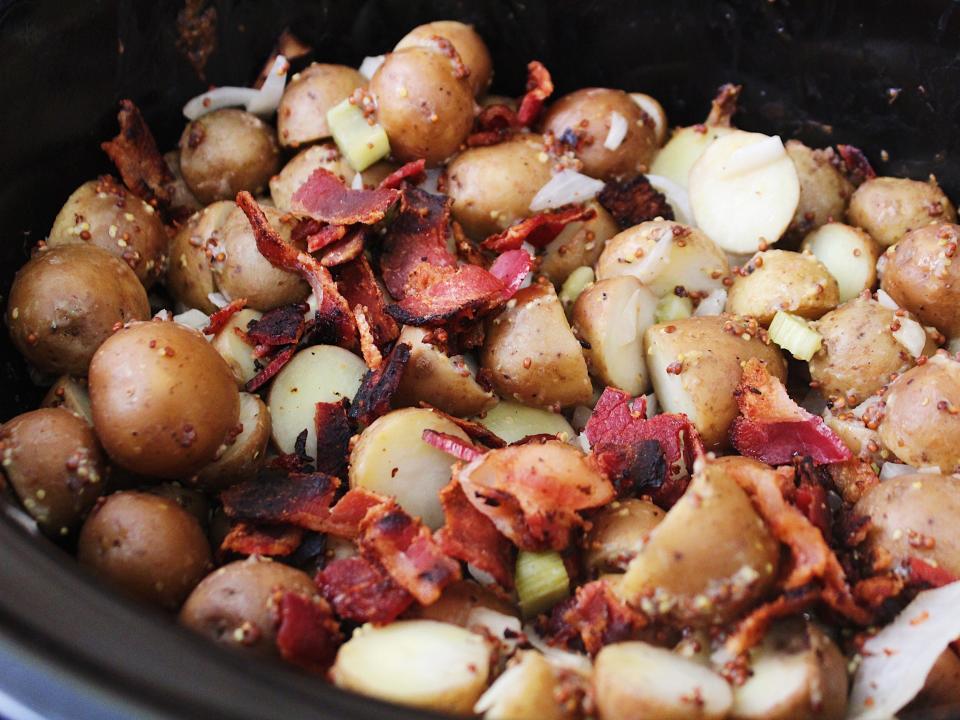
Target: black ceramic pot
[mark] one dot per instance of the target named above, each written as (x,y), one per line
(884,75)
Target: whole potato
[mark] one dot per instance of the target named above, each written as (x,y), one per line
(920,424)
(465,40)
(237,605)
(226,151)
(824,191)
(55,466)
(146,546)
(66,301)
(163,400)
(618,532)
(104,213)
(194,250)
(296,172)
(888,208)
(578,244)
(491,187)
(425,109)
(302,114)
(588,114)
(532,355)
(782,280)
(921,276)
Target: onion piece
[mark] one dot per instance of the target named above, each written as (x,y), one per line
(617,132)
(883,297)
(370,65)
(911,335)
(564,188)
(676,196)
(506,684)
(357,182)
(195,319)
(218,299)
(755,156)
(712,304)
(560,659)
(268,96)
(164,315)
(652,263)
(892,470)
(505,628)
(897,660)
(260,102)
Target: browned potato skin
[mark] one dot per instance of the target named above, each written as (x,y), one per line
(245,273)
(921,277)
(163,399)
(618,532)
(55,465)
(236,604)
(103,213)
(532,355)
(426,110)
(226,151)
(302,115)
(465,40)
(459,600)
(146,546)
(907,510)
(587,112)
(783,280)
(578,244)
(888,208)
(70,393)
(193,501)
(66,301)
(824,191)
(241,460)
(942,687)
(190,274)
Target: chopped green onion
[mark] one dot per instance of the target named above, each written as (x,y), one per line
(576,283)
(673,307)
(795,335)
(542,581)
(361,143)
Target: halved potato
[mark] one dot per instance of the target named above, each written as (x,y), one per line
(512,421)
(848,253)
(241,459)
(684,148)
(617,533)
(526,690)
(234,347)
(193,248)
(578,244)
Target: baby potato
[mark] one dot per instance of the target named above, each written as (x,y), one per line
(105,214)
(391,458)
(434,377)
(492,187)
(914,516)
(190,275)
(296,172)
(420,663)
(245,273)
(321,373)
(712,575)
(163,400)
(665,255)
(226,151)
(636,680)
(66,301)
(236,605)
(782,280)
(55,466)
(234,347)
(71,394)
(695,366)
(145,545)
(302,114)
(425,109)
(465,40)
(531,353)
(684,148)
(824,191)
(512,422)
(888,208)
(241,459)
(589,114)
(921,276)
(848,253)
(610,317)
(528,688)
(920,423)
(458,602)
(578,244)
(618,532)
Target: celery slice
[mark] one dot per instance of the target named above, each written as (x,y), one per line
(673,307)
(576,283)
(794,334)
(541,580)
(361,143)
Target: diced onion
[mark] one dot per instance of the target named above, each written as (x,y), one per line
(532,252)
(218,299)
(431,183)
(676,196)
(911,335)
(929,470)
(163,314)
(617,132)
(193,318)
(262,102)
(482,577)
(892,470)
(370,65)
(897,660)
(712,304)
(564,188)
(755,155)
(581,442)
(883,297)
(506,628)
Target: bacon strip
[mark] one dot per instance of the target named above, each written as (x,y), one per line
(326,235)
(470,536)
(379,386)
(451,444)
(333,438)
(222,316)
(362,591)
(281,326)
(539,230)
(324,197)
(634,201)
(247,538)
(301,499)
(139,162)
(461,296)
(348,248)
(924,573)
(308,634)
(594,617)
(539,88)
(345,517)
(359,286)
(410,172)
(272,368)
(474,430)
(511,268)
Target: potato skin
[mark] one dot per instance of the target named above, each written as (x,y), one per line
(491,187)
(146,546)
(302,114)
(824,191)
(163,400)
(236,606)
(70,393)
(466,41)
(326,155)
(105,214)
(241,459)
(66,301)
(55,466)
(426,110)
(618,532)
(920,276)
(190,274)
(587,112)
(226,151)
(782,280)
(578,244)
(888,208)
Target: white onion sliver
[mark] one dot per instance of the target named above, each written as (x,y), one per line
(218,299)
(929,470)
(755,156)
(260,102)
(567,186)
(617,132)
(911,335)
(888,302)
(501,687)
(712,304)
(581,442)
(370,65)
(357,182)
(268,96)
(431,182)
(892,470)
(482,577)
(897,660)
(562,659)
(506,628)
(648,105)
(650,266)
(163,314)
(676,196)
(653,405)
(192,318)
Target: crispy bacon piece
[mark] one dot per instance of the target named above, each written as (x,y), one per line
(474,430)
(874,591)
(247,538)
(348,248)
(751,630)
(858,168)
(308,634)
(333,438)
(594,617)
(452,445)
(281,326)
(634,201)
(539,88)
(362,591)
(324,236)
(301,499)
(406,549)
(511,269)
(359,286)
(922,572)
(368,348)
(774,429)
(470,536)
(378,387)
(345,517)
(493,125)
(456,297)
(324,197)
(410,172)
(139,162)
(222,316)
(272,368)
(853,478)
(724,105)
(539,230)
(637,468)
